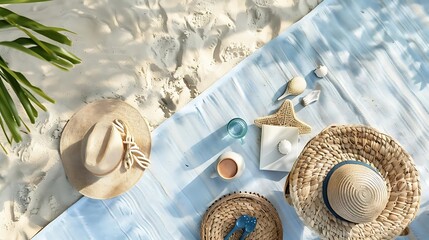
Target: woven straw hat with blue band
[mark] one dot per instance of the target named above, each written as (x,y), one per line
(353,182)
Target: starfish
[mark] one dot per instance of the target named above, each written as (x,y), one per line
(285,116)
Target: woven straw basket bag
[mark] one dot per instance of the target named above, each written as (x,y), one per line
(220,217)
(353,182)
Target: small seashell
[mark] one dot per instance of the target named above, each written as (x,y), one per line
(284,147)
(321,71)
(295,87)
(312,97)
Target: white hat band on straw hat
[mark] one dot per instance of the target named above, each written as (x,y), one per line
(133,154)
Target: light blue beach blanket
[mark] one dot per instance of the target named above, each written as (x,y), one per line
(377,53)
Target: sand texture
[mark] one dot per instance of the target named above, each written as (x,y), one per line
(155,55)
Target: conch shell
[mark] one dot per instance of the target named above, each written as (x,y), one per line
(295,87)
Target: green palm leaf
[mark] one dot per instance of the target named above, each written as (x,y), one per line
(50,32)
(20,1)
(7,114)
(25,92)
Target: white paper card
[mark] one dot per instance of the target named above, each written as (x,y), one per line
(271,159)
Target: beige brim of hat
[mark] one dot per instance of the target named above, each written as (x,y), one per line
(335,144)
(119,180)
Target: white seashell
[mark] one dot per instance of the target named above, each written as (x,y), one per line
(321,71)
(295,87)
(312,97)
(284,147)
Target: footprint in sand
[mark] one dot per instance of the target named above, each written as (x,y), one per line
(214,38)
(191,84)
(22,199)
(22,150)
(189,76)
(263,3)
(43,123)
(24,195)
(56,133)
(34,211)
(141,98)
(166,49)
(4,169)
(145,76)
(54,206)
(171,91)
(167,105)
(200,19)
(258,17)
(235,51)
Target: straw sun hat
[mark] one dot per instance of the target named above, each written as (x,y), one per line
(105,148)
(353,182)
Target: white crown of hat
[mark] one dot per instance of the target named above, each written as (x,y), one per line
(355,191)
(107,144)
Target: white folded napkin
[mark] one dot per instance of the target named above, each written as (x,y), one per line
(271,159)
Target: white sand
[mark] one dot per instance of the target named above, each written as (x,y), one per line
(155,55)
